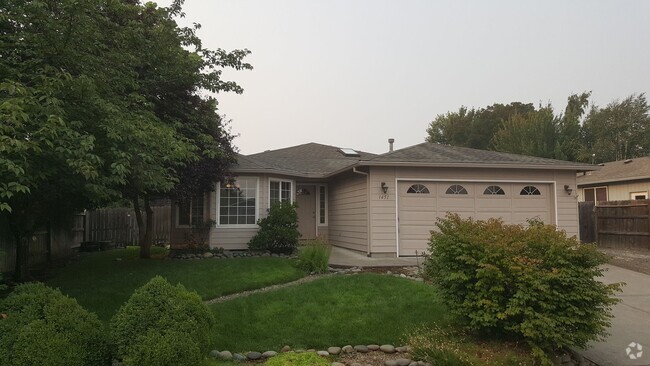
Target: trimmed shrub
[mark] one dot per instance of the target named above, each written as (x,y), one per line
(159,312)
(298,359)
(45,327)
(532,283)
(278,231)
(314,256)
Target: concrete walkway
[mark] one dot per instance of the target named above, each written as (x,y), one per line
(350,258)
(631,321)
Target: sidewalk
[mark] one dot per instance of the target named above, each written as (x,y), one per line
(631,321)
(350,258)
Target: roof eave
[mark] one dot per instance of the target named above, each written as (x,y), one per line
(606,181)
(479,165)
(290,173)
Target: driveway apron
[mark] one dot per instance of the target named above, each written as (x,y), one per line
(631,324)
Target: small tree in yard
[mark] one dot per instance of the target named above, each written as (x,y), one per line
(278,231)
(532,283)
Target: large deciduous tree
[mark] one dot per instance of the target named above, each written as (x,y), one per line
(103,100)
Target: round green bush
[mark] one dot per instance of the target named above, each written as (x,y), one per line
(278,232)
(298,359)
(163,312)
(45,327)
(532,283)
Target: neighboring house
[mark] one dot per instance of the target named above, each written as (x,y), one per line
(385,205)
(616,181)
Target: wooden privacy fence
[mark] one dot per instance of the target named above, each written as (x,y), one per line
(119,225)
(60,241)
(617,224)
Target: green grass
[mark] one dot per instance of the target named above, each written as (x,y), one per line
(101,283)
(354,309)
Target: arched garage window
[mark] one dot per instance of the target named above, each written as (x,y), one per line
(530,191)
(456,189)
(494,190)
(418,189)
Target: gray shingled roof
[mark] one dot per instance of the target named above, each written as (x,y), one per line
(428,153)
(617,171)
(307,160)
(314,160)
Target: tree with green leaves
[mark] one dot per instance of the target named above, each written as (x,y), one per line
(619,131)
(103,101)
(532,134)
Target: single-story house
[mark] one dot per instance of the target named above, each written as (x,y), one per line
(387,204)
(616,181)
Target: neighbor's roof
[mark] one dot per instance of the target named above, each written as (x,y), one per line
(432,154)
(314,160)
(309,160)
(618,171)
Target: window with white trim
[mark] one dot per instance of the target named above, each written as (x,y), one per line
(494,190)
(237,202)
(595,194)
(189,212)
(639,195)
(418,189)
(280,191)
(322,205)
(456,189)
(530,191)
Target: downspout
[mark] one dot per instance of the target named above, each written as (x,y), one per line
(354,170)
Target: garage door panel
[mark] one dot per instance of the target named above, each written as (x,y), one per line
(418,213)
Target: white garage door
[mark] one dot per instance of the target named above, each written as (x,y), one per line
(421,203)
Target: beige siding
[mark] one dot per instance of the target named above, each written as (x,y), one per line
(620,191)
(348,212)
(383,207)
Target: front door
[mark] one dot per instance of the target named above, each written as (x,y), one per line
(306,200)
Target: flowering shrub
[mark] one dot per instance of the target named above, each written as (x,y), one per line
(532,283)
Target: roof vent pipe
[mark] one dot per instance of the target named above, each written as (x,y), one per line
(390,144)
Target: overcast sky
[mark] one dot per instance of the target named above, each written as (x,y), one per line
(354,73)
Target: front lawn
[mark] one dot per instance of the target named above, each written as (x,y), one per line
(353,309)
(102,282)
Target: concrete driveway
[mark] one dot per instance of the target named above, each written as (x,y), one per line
(631,322)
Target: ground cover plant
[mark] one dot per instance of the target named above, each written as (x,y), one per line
(162,324)
(528,283)
(360,309)
(102,282)
(41,326)
(314,256)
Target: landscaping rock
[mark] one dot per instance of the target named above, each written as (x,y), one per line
(334,350)
(400,349)
(373,347)
(413,363)
(208,255)
(356,364)
(347,349)
(387,348)
(403,362)
(390,363)
(323,353)
(214,353)
(239,357)
(361,348)
(285,349)
(225,355)
(254,355)
(311,350)
(268,354)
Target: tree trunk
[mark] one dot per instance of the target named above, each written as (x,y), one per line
(22,254)
(145,228)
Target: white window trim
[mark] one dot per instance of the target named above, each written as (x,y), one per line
(257,207)
(292,195)
(178,206)
(584,196)
(318,223)
(632,194)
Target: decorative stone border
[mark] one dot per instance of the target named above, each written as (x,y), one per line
(217,254)
(331,351)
